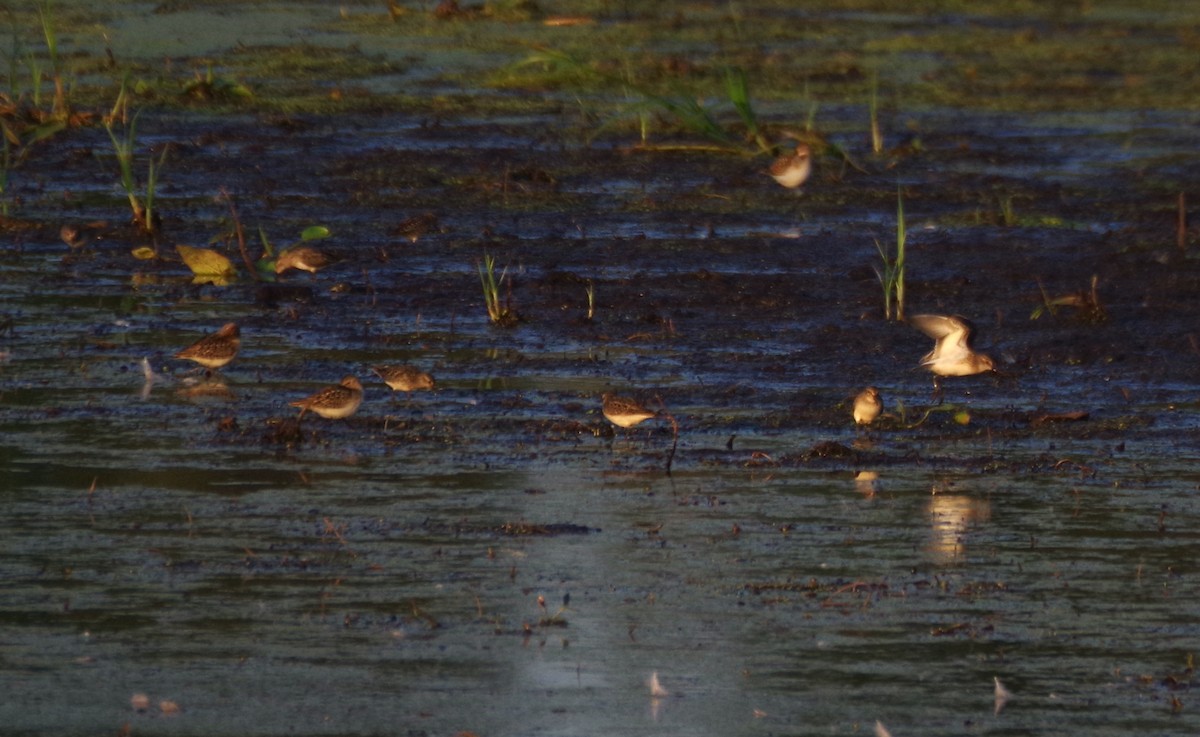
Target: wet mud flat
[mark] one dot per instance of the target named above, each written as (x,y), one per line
(493,557)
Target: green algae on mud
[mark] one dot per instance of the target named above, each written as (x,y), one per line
(1006,56)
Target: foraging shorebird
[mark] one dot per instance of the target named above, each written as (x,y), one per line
(792,170)
(404,378)
(216,350)
(867,406)
(625,412)
(952,354)
(416,226)
(304,258)
(73,236)
(334,402)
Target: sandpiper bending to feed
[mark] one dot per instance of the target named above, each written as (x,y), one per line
(73,236)
(303,258)
(867,406)
(216,350)
(952,354)
(334,402)
(625,412)
(404,378)
(792,170)
(416,226)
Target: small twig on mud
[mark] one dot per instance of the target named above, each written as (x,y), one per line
(334,530)
(241,235)
(850,588)
(370,287)
(1181,224)
(1083,470)
(924,417)
(424,616)
(674,432)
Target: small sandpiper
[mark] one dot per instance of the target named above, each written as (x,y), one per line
(867,406)
(304,258)
(625,412)
(216,350)
(404,378)
(952,354)
(334,402)
(73,236)
(792,170)
(416,226)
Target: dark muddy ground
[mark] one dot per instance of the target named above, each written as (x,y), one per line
(735,298)
(188,541)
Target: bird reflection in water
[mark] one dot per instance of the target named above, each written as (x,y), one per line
(951,516)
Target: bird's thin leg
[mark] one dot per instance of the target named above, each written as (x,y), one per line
(937,390)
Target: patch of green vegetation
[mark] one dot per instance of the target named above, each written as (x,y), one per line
(1045,65)
(1012,55)
(891,271)
(308,62)
(497,301)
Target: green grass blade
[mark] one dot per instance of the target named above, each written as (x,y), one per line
(901,237)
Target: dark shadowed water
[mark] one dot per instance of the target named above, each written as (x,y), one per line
(491,558)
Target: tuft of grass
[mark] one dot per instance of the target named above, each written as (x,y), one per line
(1087,301)
(149,218)
(5,166)
(1181,224)
(737,88)
(499,308)
(1008,213)
(891,274)
(873,108)
(810,118)
(682,107)
(210,87)
(60,108)
(122,131)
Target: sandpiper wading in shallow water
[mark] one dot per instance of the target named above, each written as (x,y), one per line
(792,170)
(404,378)
(625,412)
(216,350)
(334,402)
(73,236)
(952,354)
(303,258)
(867,406)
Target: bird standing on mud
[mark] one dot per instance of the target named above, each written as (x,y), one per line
(404,378)
(792,170)
(216,350)
(334,402)
(304,258)
(867,406)
(625,412)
